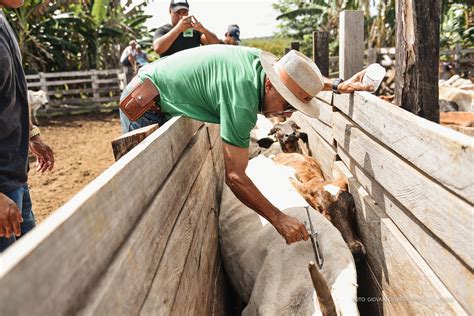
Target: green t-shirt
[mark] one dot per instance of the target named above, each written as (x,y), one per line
(219,84)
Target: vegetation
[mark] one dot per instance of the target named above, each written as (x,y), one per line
(75,35)
(300,18)
(276,46)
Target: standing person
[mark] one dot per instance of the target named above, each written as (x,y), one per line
(184,31)
(232,36)
(17,134)
(229,85)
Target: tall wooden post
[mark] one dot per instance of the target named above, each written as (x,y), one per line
(351,42)
(295,46)
(416,86)
(321,51)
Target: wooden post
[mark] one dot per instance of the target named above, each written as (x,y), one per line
(371,55)
(44,84)
(321,51)
(351,42)
(287,50)
(295,46)
(95,85)
(416,86)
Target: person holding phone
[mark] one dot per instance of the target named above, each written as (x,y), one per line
(184,32)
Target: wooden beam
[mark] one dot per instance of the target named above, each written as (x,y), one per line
(351,42)
(409,286)
(131,274)
(72,248)
(321,51)
(295,45)
(447,216)
(438,151)
(416,84)
(126,142)
(458,278)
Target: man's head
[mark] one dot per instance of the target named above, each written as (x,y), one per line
(178,9)
(294,79)
(232,36)
(138,48)
(133,44)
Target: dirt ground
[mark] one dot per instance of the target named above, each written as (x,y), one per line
(82,150)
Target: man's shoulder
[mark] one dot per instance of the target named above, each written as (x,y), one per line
(163,29)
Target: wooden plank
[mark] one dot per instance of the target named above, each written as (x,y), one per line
(66,253)
(440,152)
(102,81)
(126,142)
(84,100)
(458,278)
(70,81)
(193,297)
(408,283)
(219,166)
(325,112)
(187,232)
(214,133)
(351,42)
(63,92)
(125,285)
(81,73)
(324,153)
(444,214)
(324,130)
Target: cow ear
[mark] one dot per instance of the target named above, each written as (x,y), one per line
(295,126)
(304,137)
(265,142)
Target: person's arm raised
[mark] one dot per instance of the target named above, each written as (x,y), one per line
(236,160)
(207,36)
(163,43)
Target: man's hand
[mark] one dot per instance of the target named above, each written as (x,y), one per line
(10,217)
(198,26)
(184,23)
(354,84)
(43,153)
(290,228)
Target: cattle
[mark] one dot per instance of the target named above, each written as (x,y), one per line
(290,137)
(270,276)
(331,198)
(36,100)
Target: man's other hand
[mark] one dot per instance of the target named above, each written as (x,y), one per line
(10,217)
(291,229)
(43,153)
(354,84)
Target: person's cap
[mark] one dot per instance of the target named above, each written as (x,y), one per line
(177,5)
(296,78)
(234,31)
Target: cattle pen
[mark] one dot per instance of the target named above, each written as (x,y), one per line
(142,238)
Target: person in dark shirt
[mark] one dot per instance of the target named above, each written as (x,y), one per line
(184,31)
(232,36)
(17,135)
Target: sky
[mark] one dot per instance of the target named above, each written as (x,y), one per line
(255,18)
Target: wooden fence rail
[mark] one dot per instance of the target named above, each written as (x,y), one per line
(79,90)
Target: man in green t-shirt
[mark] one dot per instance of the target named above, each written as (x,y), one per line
(229,85)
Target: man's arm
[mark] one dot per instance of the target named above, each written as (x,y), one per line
(236,160)
(164,42)
(207,37)
(13,4)
(349,86)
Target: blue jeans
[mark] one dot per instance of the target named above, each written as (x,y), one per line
(21,197)
(148,118)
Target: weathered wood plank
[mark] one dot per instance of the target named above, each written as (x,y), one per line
(219,166)
(458,278)
(69,81)
(189,228)
(81,91)
(85,100)
(408,283)
(325,112)
(351,42)
(440,152)
(126,142)
(443,213)
(78,73)
(66,253)
(193,297)
(214,133)
(324,153)
(125,285)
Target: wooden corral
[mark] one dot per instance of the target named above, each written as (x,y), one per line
(79,91)
(140,239)
(414,197)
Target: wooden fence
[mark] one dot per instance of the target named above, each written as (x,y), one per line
(79,90)
(140,239)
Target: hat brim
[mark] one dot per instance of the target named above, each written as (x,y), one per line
(310,108)
(179,7)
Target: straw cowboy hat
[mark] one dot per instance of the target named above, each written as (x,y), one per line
(296,78)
